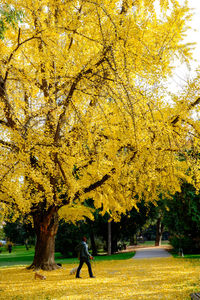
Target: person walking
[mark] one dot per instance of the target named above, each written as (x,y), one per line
(84,257)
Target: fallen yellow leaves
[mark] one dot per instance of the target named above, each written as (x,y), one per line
(160,278)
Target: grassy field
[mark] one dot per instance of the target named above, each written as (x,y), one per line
(153,279)
(117,277)
(21,256)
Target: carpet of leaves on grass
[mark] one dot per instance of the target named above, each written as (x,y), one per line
(164,278)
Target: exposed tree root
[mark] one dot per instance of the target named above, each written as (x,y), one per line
(44,266)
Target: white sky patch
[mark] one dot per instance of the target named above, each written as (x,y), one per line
(194,32)
(182,74)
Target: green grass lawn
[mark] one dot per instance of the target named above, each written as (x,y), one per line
(152,243)
(186,256)
(21,256)
(18,256)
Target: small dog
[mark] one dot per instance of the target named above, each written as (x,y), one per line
(73,271)
(40,276)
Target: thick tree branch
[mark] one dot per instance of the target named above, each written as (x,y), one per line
(9,145)
(95,185)
(124,7)
(13,204)
(98,183)
(192,105)
(75,30)
(72,90)
(57,161)
(88,189)
(7,108)
(4,123)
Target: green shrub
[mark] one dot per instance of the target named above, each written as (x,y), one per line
(187,243)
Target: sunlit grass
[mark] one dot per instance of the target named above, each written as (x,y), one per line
(161,278)
(20,256)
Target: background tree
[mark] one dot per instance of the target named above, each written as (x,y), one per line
(68,237)
(141,221)
(82,110)
(19,233)
(182,219)
(155,221)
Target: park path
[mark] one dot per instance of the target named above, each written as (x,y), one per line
(152,252)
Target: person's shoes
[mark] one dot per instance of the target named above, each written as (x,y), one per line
(78,277)
(92,276)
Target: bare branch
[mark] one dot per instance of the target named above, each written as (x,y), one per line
(72,90)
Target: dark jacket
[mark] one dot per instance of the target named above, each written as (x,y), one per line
(83,250)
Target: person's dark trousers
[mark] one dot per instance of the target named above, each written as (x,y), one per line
(82,261)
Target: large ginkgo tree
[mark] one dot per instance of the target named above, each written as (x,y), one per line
(84,112)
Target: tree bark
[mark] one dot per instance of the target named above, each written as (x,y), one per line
(93,244)
(46,226)
(109,238)
(159,232)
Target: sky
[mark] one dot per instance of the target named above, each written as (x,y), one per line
(193,36)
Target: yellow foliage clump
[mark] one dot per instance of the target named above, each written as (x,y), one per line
(83,109)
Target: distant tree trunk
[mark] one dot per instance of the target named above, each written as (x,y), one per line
(26,244)
(115,237)
(109,238)
(114,247)
(46,226)
(133,239)
(159,232)
(93,244)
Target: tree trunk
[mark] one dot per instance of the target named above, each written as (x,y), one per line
(133,239)
(93,244)
(114,237)
(159,232)
(46,226)
(109,238)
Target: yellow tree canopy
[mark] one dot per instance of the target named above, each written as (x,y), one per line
(82,105)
